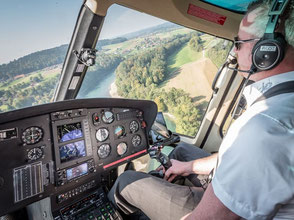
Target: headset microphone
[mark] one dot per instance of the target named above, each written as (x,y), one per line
(234,61)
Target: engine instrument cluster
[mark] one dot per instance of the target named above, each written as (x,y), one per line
(65,147)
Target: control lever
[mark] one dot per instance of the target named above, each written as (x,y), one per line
(155,153)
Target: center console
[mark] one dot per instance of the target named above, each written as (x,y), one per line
(94,206)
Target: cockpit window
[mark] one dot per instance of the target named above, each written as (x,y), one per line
(143,57)
(34,39)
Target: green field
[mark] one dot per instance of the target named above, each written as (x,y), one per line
(21,80)
(132,43)
(26,79)
(181,57)
(4,108)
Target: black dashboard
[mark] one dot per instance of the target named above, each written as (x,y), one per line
(65,149)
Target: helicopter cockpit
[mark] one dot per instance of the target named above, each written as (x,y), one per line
(75,114)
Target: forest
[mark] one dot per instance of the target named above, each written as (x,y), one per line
(140,77)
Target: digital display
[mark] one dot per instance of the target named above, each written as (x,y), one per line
(77,171)
(69,132)
(72,151)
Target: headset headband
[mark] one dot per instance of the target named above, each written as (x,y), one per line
(278,7)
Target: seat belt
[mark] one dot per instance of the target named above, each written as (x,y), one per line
(286,87)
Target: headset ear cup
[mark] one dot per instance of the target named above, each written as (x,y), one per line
(268,53)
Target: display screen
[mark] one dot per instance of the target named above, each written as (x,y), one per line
(72,151)
(69,132)
(77,171)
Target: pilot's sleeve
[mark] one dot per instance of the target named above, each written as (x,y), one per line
(254,175)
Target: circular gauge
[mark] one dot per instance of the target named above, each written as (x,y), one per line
(104,151)
(121,148)
(119,131)
(102,134)
(107,117)
(136,140)
(32,135)
(35,153)
(134,126)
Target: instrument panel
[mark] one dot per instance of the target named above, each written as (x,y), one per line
(62,149)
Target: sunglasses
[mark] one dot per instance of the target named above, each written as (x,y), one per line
(237,42)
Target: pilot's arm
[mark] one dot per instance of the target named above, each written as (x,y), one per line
(210,207)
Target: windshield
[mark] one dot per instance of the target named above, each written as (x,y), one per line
(34,39)
(139,57)
(143,57)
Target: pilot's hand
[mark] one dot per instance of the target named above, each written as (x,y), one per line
(161,169)
(178,168)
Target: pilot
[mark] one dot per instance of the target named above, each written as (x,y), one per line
(254,175)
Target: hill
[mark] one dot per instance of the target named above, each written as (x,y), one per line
(54,56)
(158,28)
(33,62)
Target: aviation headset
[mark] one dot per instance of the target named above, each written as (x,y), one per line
(269,51)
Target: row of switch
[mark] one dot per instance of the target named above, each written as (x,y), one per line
(105,212)
(64,196)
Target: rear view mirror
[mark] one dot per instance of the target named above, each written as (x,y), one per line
(159,129)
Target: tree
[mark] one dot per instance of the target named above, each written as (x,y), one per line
(196,43)
(160,104)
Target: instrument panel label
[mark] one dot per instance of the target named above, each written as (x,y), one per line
(206,14)
(8,134)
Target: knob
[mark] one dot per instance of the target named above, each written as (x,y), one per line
(92,169)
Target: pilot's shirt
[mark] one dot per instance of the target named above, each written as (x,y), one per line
(255,173)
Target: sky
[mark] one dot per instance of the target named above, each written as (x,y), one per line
(28,26)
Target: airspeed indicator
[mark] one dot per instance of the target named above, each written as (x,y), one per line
(102,134)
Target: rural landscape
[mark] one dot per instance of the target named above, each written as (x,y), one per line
(169,64)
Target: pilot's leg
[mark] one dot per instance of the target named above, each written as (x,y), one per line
(156,197)
(188,152)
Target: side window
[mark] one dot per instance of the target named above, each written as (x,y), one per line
(156,60)
(30,67)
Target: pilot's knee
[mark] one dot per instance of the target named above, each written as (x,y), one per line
(129,176)
(126,176)
(121,182)
(176,153)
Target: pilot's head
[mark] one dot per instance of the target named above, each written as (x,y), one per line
(252,28)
